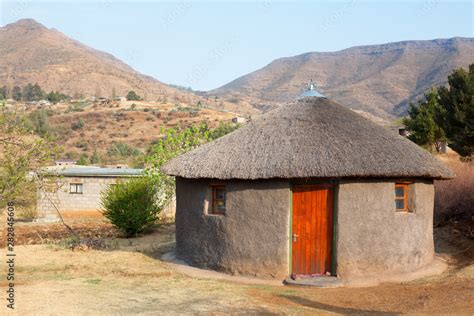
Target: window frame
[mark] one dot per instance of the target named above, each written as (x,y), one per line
(213,205)
(405,197)
(76,185)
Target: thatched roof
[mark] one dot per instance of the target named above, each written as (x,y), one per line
(310,137)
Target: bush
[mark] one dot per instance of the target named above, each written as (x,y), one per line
(122,150)
(131,206)
(454,198)
(39,122)
(223,129)
(76,107)
(78,124)
(82,143)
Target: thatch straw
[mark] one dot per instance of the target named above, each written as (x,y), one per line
(309,138)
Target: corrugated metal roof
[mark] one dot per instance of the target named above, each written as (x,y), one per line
(98,172)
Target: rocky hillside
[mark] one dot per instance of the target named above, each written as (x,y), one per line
(379,79)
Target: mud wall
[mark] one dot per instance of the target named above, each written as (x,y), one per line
(373,239)
(251,239)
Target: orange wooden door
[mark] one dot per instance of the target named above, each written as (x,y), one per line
(312,229)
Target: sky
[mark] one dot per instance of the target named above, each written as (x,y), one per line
(206,44)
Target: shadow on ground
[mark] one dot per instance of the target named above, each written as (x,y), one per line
(455,239)
(333,309)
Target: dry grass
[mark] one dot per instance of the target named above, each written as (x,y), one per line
(454,198)
(138,128)
(128,278)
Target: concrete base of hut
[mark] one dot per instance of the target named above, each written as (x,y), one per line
(438,266)
(184,268)
(319,281)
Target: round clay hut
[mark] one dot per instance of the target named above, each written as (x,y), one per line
(308,189)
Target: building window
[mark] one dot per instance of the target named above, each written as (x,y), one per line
(218,200)
(402,198)
(75,188)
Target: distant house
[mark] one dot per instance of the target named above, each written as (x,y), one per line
(400,130)
(65,162)
(43,103)
(239,119)
(117,166)
(79,190)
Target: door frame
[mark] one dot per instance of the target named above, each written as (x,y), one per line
(334,185)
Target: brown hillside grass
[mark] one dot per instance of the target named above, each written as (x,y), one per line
(137,126)
(454,198)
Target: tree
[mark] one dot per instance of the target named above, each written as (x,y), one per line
(83,160)
(17,95)
(32,92)
(56,97)
(174,143)
(21,152)
(423,122)
(457,101)
(132,96)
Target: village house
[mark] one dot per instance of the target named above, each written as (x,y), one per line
(239,120)
(78,191)
(309,189)
(65,162)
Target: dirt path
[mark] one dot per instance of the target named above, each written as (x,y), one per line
(128,278)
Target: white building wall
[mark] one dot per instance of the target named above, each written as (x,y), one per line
(89,200)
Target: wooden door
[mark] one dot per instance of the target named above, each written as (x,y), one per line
(312,229)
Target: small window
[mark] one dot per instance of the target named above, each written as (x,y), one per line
(401,197)
(218,200)
(75,188)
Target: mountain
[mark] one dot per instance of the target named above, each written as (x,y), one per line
(32,53)
(379,79)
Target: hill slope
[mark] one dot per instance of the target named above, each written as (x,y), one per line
(32,53)
(380,79)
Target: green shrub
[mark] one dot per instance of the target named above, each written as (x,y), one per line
(223,129)
(78,124)
(76,107)
(122,150)
(131,206)
(39,122)
(83,160)
(82,143)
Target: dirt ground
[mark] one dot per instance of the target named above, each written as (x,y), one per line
(127,277)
